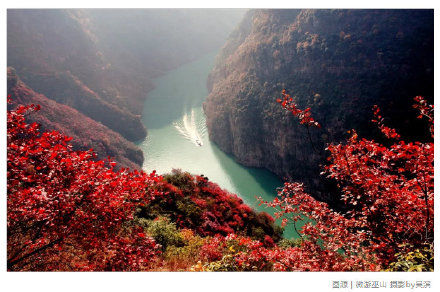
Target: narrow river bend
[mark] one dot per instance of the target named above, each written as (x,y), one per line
(177,137)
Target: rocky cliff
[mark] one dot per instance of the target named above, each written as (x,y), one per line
(338,62)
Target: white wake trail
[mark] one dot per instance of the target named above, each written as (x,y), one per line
(188,128)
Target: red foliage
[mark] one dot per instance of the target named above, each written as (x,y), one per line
(426,111)
(390,133)
(304,116)
(62,204)
(196,203)
(212,250)
(253,255)
(389,192)
(390,189)
(86,132)
(330,242)
(67,211)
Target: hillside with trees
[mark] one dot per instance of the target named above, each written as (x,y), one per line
(337,62)
(86,132)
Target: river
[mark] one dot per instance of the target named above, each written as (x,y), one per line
(177,137)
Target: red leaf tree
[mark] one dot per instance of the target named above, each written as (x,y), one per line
(67,211)
(389,192)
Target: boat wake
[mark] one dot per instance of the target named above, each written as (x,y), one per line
(190,129)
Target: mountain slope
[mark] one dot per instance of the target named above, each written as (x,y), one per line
(338,62)
(55,53)
(86,133)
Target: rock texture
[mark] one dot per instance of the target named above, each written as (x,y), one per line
(338,62)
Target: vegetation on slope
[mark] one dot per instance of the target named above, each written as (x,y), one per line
(86,132)
(69,212)
(54,53)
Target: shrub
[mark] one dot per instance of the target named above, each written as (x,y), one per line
(165,233)
(287,243)
(413,259)
(194,202)
(182,257)
(226,264)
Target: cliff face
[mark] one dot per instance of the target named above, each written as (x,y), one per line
(86,132)
(338,62)
(101,62)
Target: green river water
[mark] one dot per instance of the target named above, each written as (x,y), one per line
(175,121)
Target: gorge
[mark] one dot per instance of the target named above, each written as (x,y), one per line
(176,101)
(101,62)
(220,140)
(100,66)
(93,70)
